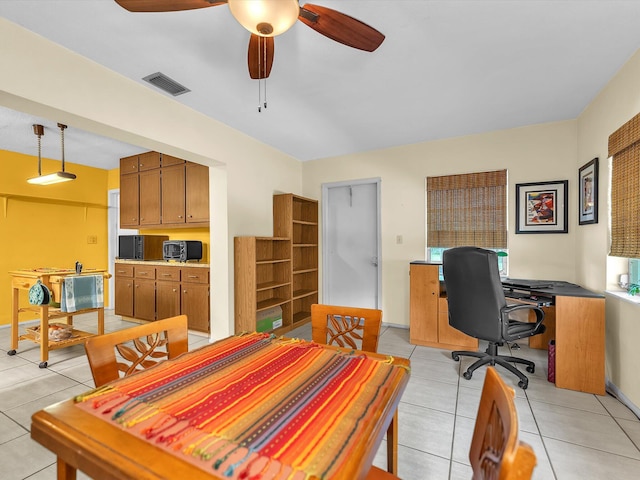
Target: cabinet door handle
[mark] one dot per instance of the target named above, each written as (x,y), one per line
(143,273)
(193,276)
(166,274)
(175,289)
(179,216)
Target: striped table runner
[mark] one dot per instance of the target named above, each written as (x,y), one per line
(253,406)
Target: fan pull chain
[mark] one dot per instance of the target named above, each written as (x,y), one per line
(264,62)
(262,68)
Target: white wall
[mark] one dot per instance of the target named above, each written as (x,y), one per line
(618,102)
(44,79)
(530,154)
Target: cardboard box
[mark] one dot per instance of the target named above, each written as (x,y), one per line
(269,319)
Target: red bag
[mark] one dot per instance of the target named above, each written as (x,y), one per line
(551,375)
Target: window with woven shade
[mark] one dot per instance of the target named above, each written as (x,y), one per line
(624,147)
(467,209)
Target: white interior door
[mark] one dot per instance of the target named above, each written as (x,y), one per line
(351,243)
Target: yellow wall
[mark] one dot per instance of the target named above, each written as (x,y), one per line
(49,225)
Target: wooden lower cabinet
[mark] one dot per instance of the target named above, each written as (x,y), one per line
(144,299)
(124,290)
(429,313)
(195,305)
(162,292)
(167,299)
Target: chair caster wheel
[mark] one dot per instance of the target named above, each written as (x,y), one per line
(455,356)
(467,375)
(523,385)
(11,352)
(42,365)
(531,369)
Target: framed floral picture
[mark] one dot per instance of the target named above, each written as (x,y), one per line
(588,193)
(542,207)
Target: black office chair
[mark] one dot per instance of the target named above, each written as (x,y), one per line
(477,307)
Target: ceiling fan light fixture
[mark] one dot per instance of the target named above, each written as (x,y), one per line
(266,18)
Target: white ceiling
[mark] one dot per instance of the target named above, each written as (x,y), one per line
(446,68)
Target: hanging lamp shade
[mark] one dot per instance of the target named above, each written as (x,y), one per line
(57,177)
(266,18)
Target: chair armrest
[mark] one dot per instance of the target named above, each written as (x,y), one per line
(536,327)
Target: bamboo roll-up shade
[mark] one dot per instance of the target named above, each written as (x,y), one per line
(624,147)
(625,136)
(625,203)
(468,209)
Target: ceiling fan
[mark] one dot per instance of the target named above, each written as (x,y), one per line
(266,19)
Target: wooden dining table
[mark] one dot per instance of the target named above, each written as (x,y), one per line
(252,406)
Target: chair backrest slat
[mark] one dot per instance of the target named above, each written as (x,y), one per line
(349,327)
(139,347)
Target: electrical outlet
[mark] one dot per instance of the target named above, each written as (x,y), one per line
(92,239)
(398,239)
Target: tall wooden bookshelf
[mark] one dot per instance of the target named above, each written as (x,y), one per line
(262,280)
(296,218)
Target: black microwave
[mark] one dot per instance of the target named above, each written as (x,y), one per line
(141,247)
(182,250)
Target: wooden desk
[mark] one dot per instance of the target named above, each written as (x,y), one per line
(51,277)
(575,318)
(289,402)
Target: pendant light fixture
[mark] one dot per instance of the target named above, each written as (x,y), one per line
(52,178)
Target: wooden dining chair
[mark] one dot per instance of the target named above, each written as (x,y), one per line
(496,453)
(140,347)
(349,327)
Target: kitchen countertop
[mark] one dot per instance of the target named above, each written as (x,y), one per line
(163,263)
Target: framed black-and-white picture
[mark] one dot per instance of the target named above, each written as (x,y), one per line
(542,207)
(588,193)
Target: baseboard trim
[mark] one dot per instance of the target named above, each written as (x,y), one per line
(616,392)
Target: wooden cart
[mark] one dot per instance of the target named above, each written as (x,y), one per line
(52,278)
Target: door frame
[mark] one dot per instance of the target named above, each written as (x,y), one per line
(325,223)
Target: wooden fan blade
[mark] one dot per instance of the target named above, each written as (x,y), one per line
(341,27)
(166,5)
(260,56)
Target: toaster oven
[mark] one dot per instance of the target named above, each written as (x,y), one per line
(182,250)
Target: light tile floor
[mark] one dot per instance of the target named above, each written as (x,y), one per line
(574,435)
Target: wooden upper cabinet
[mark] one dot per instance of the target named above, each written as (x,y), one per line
(150,197)
(148,161)
(173,194)
(197,193)
(129,165)
(158,189)
(168,160)
(129,201)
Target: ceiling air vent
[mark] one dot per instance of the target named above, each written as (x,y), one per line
(163,82)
